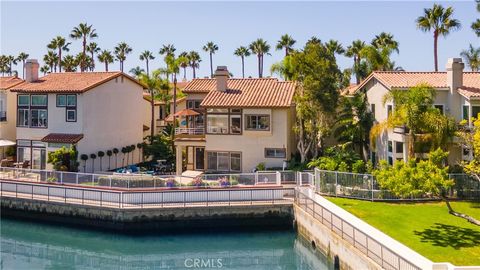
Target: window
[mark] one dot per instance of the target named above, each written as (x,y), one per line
(23,100)
(440,108)
(389,110)
(258,122)
(399,147)
(22,118)
(275,153)
(3,109)
(71,100)
(39,100)
(224,121)
(61,100)
(224,161)
(390,146)
(71,115)
(193,104)
(465,112)
(372,109)
(475,111)
(390,160)
(39,118)
(235,124)
(217,123)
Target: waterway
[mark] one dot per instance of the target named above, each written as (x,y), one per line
(29,245)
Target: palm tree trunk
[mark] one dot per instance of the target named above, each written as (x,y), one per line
(82,64)
(435,43)
(286,51)
(60,59)
(184,73)
(411,144)
(259,69)
(93,63)
(194,76)
(106,65)
(23,69)
(152,119)
(357,64)
(175,94)
(147,67)
(243,67)
(211,66)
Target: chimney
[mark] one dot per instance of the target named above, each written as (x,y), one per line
(454,73)
(221,75)
(31,70)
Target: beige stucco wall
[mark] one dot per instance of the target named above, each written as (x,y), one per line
(8,128)
(147,116)
(252,144)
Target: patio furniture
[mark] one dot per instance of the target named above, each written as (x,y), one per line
(6,163)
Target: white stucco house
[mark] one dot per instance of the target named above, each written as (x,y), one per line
(8,115)
(457,95)
(96,111)
(232,125)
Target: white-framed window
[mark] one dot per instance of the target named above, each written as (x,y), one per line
(61,100)
(71,100)
(224,161)
(39,118)
(71,115)
(275,153)
(22,117)
(23,100)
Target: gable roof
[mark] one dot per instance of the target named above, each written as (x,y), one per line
(401,79)
(258,92)
(8,82)
(71,82)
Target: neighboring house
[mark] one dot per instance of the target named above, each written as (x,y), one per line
(160,112)
(457,95)
(96,111)
(232,125)
(7,109)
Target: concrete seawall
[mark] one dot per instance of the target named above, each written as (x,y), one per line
(260,216)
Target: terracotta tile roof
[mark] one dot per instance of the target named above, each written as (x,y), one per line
(396,79)
(62,138)
(349,90)
(71,82)
(8,82)
(265,92)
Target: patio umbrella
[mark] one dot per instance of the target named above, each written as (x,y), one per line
(186,112)
(5,143)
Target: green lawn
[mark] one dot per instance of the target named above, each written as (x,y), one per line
(427,228)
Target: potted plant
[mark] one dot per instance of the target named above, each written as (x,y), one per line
(115,152)
(171,183)
(84,158)
(223,182)
(109,154)
(101,154)
(93,157)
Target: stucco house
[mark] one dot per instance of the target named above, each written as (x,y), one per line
(232,125)
(457,95)
(96,111)
(8,115)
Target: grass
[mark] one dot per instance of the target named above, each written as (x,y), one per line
(427,228)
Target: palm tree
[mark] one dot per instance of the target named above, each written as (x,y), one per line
(83,31)
(60,44)
(101,154)
(334,47)
(115,152)
(385,41)
(147,56)
(314,40)
(109,155)
(167,50)
(93,157)
(11,60)
(87,60)
(242,52)
(121,51)
(184,62)
(476,27)
(45,69)
(93,48)
(260,48)
(153,82)
(136,71)
(69,63)
(195,60)
(105,57)
(286,42)
(354,51)
(174,69)
(441,22)
(23,57)
(211,48)
(472,57)
(51,59)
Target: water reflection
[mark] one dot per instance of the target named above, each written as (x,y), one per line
(26,245)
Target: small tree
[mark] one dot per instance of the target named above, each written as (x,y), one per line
(115,152)
(84,157)
(124,151)
(472,139)
(109,154)
(64,159)
(101,154)
(93,157)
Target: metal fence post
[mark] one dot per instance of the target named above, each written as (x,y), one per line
(76,179)
(61,178)
(336,183)
(371,185)
(93,180)
(256,178)
(279,178)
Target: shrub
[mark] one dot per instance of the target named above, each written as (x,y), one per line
(64,159)
(261,166)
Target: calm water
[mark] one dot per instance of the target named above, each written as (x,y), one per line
(27,245)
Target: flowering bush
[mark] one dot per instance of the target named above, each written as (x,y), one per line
(171,182)
(197,182)
(224,182)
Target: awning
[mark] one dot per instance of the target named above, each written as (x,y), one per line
(4,143)
(186,112)
(62,138)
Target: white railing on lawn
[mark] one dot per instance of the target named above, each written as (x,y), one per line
(189,131)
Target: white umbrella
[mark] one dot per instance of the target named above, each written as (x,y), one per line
(5,143)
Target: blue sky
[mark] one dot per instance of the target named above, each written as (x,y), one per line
(29,26)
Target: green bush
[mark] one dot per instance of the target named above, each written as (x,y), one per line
(64,159)
(339,158)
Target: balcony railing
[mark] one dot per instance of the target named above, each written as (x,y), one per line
(190,131)
(3,116)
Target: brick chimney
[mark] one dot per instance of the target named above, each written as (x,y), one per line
(221,75)
(454,73)
(31,70)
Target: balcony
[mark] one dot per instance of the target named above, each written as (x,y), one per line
(3,116)
(181,131)
(401,130)
(161,123)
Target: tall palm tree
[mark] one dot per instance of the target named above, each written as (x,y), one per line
(12,60)
(195,60)
(440,21)
(23,57)
(167,50)
(45,69)
(286,42)
(211,48)
(314,40)
(87,61)
(121,51)
(60,44)
(472,57)
(153,82)
(146,56)
(3,64)
(334,47)
(83,31)
(476,27)
(174,69)
(385,41)
(260,47)
(354,51)
(105,57)
(184,62)
(51,59)
(242,52)
(70,63)
(93,48)
(136,71)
